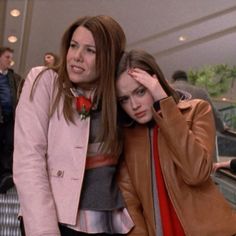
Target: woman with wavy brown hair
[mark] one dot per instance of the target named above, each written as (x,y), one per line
(66,137)
(168,147)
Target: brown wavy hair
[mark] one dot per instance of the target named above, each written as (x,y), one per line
(110,42)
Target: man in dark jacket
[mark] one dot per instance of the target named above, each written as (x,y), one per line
(9,82)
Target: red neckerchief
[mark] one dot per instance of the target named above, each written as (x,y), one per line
(170,223)
(83,106)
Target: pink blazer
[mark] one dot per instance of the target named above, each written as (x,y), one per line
(49,158)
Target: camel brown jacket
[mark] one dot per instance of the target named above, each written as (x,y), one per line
(186,140)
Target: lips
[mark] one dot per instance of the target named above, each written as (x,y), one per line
(77,69)
(140,114)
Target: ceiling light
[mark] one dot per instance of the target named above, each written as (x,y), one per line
(15,12)
(182,38)
(12,39)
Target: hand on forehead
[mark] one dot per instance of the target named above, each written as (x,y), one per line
(149,81)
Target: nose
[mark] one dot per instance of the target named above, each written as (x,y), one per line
(78,55)
(134,103)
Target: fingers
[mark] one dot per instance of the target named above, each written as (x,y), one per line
(148,81)
(143,77)
(219,165)
(214,168)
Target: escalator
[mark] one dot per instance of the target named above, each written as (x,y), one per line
(9,209)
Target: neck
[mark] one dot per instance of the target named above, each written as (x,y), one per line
(3,71)
(87,89)
(88,93)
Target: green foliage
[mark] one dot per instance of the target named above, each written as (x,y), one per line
(216,79)
(234,122)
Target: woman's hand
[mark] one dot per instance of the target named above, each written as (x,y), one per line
(148,81)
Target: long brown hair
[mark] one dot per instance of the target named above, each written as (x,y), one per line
(110,42)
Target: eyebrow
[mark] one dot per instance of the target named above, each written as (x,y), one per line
(88,45)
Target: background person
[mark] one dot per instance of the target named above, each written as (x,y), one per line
(9,82)
(50,59)
(168,154)
(66,138)
(180,81)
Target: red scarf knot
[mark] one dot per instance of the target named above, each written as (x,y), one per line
(83,106)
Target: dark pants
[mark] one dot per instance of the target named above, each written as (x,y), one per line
(65,231)
(6,145)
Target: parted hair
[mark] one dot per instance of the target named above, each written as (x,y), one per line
(110,42)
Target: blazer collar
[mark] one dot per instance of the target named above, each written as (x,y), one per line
(184,104)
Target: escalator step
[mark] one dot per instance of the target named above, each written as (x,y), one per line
(9,209)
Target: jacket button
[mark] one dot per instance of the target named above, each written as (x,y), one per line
(59,173)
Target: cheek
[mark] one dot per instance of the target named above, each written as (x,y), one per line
(93,62)
(93,67)
(68,55)
(149,100)
(67,62)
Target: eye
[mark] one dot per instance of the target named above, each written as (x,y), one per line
(91,50)
(123,100)
(141,91)
(73,45)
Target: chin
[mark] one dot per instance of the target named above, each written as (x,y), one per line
(143,120)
